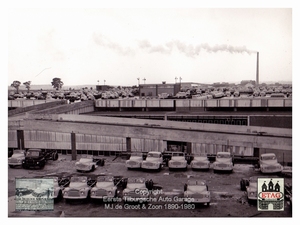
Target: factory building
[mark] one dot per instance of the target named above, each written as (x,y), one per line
(153,90)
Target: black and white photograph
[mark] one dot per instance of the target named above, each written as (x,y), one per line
(167,111)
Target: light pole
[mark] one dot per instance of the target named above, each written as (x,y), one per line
(138,81)
(144,80)
(104,82)
(180,79)
(98,82)
(176,80)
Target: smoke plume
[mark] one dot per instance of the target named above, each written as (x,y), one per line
(188,49)
(191,50)
(105,42)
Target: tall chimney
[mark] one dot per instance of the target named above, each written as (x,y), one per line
(257,69)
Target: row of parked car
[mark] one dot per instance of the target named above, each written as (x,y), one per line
(37,158)
(224,162)
(116,189)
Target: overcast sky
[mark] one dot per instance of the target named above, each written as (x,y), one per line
(82,46)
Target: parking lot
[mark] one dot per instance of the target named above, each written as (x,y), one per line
(227,200)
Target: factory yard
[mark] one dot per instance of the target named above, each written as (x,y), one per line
(227,200)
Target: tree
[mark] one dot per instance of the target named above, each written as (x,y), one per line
(27,84)
(57,83)
(16,84)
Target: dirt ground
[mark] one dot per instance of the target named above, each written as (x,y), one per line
(227,200)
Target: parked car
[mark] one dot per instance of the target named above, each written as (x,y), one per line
(42,192)
(38,157)
(137,189)
(135,160)
(106,188)
(177,161)
(200,161)
(250,186)
(268,163)
(196,191)
(88,164)
(224,162)
(23,191)
(79,188)
(153,161)
(59,185)
(17,158)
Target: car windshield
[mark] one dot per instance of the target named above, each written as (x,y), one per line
(105,184)
(18,151)
(33,153)
(85,160)
(154,155)
(223,156)
(196,182)
(136,180)
(268,157)
(196,188)
(177,154)
(136,154)
(253,183)
(79,179)
(202,155)
(105,179)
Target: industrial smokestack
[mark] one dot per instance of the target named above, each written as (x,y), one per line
(257,69)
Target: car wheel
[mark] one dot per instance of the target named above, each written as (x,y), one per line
(60,195)
(11,166)
(102,162)
(24,166)
(159,168)
(243,185)
(42,164)
(55,156)
(93,168)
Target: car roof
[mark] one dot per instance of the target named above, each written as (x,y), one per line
(35,149)
(224,153)
(267,154)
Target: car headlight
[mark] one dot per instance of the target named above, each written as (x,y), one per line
(125,194)
(109,192)
(65,193)
(93,193)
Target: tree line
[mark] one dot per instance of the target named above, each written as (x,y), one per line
(56,83)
